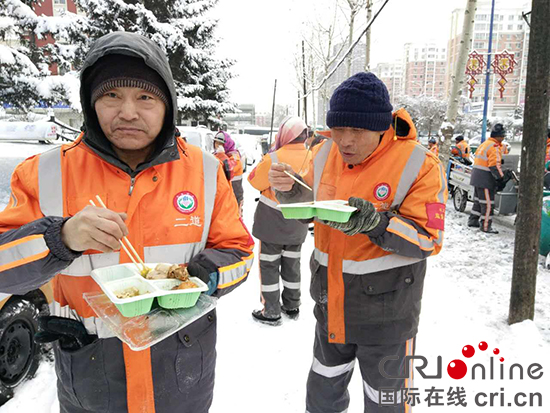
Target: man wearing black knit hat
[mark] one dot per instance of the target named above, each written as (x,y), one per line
(368,273)
(171,200)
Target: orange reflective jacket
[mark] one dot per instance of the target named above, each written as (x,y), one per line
(406,183)
(435,150)
(176,210)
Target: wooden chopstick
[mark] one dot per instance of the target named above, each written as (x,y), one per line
(297,180)
(127,241)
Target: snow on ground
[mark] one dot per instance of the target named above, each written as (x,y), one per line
(466,300)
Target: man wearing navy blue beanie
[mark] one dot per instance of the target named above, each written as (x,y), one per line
(368,271)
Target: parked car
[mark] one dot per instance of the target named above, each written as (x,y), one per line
(41,131)
(199,136)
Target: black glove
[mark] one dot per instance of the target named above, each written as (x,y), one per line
(71,334)
(208,277)
(365,219)
(500,184)
(508,174)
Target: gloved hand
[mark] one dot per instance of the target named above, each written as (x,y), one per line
(365,219)
(209,278)
(507,175)
(72,334)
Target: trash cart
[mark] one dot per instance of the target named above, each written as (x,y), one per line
(544,246)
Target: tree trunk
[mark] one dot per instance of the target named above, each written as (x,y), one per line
(367,37)
(305,84)
(350,42)
(526,249)
(458,77)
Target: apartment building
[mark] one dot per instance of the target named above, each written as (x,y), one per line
(424,70)
(392,76)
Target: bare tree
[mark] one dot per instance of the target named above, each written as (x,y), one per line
(355,6)
(458,77)
(526,249)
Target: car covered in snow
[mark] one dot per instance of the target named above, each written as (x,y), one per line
(41,131)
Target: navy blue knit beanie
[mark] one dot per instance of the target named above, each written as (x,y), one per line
(363,102)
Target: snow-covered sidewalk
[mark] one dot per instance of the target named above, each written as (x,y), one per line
(466,299)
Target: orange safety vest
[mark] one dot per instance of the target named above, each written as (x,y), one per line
(464,149)
(489,154)
(295,155)
(387,178)
(169,220)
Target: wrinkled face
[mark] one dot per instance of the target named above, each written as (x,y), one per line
(355,145)
(130,118)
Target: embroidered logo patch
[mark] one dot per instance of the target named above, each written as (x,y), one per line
(382,191)
(185,202)
(436,215)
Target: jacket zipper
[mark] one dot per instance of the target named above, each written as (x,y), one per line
(132,182)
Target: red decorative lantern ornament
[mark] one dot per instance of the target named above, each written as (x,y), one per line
(474,67)
(503,65)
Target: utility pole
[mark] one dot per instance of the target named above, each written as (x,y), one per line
(305,83)
(367,37)
(458,79)
(488,76)
(526,249)
(272,112)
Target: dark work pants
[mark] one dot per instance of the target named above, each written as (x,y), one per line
(332,368)
(279,261)
(484,204)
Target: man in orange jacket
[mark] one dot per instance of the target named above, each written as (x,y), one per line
(172,201)
(280,239)
(368,273)
(433,146)
(487,178)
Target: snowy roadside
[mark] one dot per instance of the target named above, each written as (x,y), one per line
(466,300)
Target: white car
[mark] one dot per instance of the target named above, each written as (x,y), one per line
(199,136)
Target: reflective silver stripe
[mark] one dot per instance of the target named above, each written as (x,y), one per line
(237,178)
(274,157)
(369,266)
(483,201)
(249,261)
(374,395)
(292,254)
(23,250)
(292,286)
(83,266)
(482,156)
(269,257)
(442,176)
(321,257)
(483,168)
(269,202)
(475,213)
(232,275)
(93,325)
(319,165)
(270,288)
(4,296)
(409,175)
(50,185)
(175,253)
(332,371)
(210,170)
(396,225)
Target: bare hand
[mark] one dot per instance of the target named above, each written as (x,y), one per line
(278,179)
(94,228)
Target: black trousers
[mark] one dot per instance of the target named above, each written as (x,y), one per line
(484,204)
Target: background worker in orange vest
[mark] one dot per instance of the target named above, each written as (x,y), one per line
(462,150)
(219,152)
(433,146)
(173,202)
(236,167)
(487,178)
(280,239)
(547,162)
(368,273)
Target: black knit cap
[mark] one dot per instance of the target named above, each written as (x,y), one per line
(363,102)
(115,70)
(498,131)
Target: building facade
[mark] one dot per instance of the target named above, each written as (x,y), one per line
(510,33)
(392,76)
(424,70)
